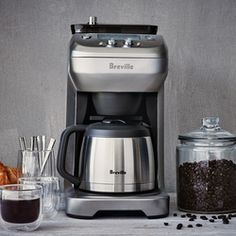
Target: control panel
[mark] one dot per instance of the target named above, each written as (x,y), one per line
(117,40)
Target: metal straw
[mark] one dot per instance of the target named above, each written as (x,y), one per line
(33,143)
(22,143)
(43,138)
(49,148)
(39,143)
(40,149)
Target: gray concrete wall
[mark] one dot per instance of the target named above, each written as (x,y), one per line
(34,36)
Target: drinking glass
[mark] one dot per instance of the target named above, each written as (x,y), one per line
(21,207)
(36,163)
(51,193)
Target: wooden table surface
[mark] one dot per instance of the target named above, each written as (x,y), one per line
(62,225)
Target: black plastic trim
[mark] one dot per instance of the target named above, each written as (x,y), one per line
(109,28)
(116,131)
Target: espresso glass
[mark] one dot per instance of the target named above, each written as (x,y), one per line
(51,193)
(21,207)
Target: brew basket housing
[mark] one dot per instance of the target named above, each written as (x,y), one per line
(117,104)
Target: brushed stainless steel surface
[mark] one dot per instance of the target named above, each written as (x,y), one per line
(85,205)
(117,187)
(117,164)
(127,74)
(139,67)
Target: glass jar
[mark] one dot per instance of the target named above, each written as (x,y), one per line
(21,207)
(206,169)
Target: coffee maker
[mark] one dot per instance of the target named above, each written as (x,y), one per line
(112,149)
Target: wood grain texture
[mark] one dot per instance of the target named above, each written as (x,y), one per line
(201,37)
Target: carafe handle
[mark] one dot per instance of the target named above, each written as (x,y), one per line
(61,159)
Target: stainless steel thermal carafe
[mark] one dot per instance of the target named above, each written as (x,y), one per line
(115,157)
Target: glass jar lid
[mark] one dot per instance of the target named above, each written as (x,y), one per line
(210,130)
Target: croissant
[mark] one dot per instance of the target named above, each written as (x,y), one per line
(12,175)
(4,178)
(8,175)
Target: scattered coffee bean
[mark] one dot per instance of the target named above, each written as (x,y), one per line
(229,216)
(207,186)
(183,216)
(203,218)
(225,221)
(212,220)
(189,215)
(194,216)
(214,217)
(199,225)
(166,223)
(179,226)
(175,214)
(191,219)
(190,226)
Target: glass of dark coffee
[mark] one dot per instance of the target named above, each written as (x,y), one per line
(21,207)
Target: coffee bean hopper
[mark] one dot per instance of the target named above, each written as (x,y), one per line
(206,169)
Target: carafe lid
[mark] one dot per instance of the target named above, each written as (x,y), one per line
(116,129)
(210,130)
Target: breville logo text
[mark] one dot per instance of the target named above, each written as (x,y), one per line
(127,66)
(122,172)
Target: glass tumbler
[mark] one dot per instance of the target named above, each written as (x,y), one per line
(36,163)
(51,193)
(21,207)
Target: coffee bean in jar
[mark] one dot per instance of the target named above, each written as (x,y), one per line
(206,169)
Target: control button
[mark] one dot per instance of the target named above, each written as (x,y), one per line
(101,43)
(128,43)
(86,36)
(138,44)
(111,43)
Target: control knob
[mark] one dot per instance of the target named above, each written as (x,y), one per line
(111,43)
(128,43)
